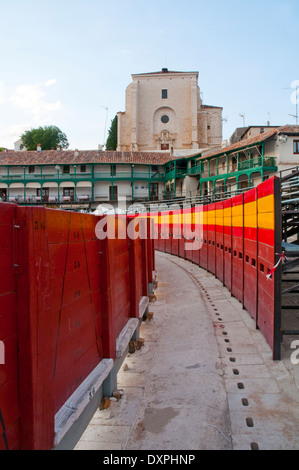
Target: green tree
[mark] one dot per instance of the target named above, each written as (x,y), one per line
(48,137)
(111,142)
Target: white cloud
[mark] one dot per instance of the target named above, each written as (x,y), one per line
(11,134)
(50,82)
(33,99)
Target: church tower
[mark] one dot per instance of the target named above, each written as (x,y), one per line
(164,111)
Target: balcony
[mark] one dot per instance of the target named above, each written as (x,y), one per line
(266,163)
(39,176)
(176,173)
(257,162)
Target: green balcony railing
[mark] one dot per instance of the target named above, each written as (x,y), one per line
(81,176)
(257,162)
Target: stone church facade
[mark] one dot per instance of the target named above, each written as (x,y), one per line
(164,111)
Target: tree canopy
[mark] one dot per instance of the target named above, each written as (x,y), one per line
(48,137)
(111,142)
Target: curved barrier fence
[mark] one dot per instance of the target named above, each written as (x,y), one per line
(71,300)
(239,241)
(75,288)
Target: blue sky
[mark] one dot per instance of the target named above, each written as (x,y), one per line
(63,62)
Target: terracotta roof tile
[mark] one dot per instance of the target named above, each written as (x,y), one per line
(71,157)
(252,140)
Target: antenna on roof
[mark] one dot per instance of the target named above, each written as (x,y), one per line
(243,116)
(104,142)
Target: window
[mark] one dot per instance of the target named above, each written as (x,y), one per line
(164,94)
(83,168)
(66,169)
(155,168)
(31,169)
(113,193)
(69,193)
(165,119)
(296,146)
(113,171)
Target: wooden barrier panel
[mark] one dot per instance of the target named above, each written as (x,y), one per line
(167,231)
(162,231)
(59,316)
(138,269)
(237,247)
(66,295)
(176,232)
(269,250)
(211,238)
(227,238)
(219,240)
(241,243)
(197,234)
(204,248)
(10,266)
(181,239)
(150,237)
(250,252)
(188,231)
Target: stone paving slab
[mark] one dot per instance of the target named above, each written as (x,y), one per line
(182,390)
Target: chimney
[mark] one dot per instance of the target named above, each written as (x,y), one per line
(39,148)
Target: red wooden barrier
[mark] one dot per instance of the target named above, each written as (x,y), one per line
(250,252)
(269,249)
(138,269)
(241,244)
(198,234)
(176,232)
(189,232)
(162,232)
(59,315)
(211,238)
(204,248)
(181,239)
(227,237)
(237,247)
(10,235)
(167,231)
(219,240)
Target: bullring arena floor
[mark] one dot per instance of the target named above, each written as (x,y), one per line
(204,378)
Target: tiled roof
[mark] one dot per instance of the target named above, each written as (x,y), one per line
(251,141)
(77,157)
(73,157)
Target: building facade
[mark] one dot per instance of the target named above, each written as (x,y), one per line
(164,111)
(79,177)
(97,177)
(235,167)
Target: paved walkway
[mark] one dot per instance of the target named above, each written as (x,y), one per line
(204,378)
